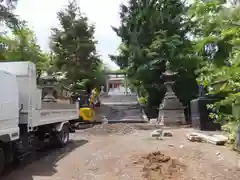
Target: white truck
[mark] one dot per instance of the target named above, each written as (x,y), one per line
(26,122)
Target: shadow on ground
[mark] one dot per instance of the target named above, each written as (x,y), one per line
(42,163)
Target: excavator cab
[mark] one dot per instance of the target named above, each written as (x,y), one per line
(88,102)
(86,113)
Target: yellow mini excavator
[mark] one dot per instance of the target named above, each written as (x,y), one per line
(87,107)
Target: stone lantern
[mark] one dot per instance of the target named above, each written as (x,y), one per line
(171,111)
(48,86)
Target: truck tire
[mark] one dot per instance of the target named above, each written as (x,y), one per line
(62,137)
(2,160)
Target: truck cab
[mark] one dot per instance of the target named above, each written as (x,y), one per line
(26,121)
(9,115)
(9,107)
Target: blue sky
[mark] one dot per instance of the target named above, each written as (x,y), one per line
(41,16)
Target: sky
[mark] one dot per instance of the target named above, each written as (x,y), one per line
(41,17)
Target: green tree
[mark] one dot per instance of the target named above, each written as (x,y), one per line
(21,45)
(137,30)
(219,69)
(6,15)
(152,33)
(172,43)
(74,46)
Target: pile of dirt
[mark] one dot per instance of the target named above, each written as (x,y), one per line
(157,166)
(108,129)
(147,126)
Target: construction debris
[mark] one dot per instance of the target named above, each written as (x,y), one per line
(213,139)
(108,129)
(194,138)
(167,134)
(157,134)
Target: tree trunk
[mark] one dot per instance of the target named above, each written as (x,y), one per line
(38,77)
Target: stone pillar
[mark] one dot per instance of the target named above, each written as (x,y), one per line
(125,84)
(107,86)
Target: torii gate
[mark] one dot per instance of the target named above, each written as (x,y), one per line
(116,80)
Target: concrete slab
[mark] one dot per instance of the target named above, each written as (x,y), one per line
(213,139)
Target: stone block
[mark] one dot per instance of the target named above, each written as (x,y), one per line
(194,137)
(214,139)
(167,134)
(156,133)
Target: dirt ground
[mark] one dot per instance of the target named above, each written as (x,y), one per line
(123,152)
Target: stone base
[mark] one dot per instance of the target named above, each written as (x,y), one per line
(171,117)
(171,110)
(49,98)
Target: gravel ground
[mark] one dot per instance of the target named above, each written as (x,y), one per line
(110,129)
(103,154)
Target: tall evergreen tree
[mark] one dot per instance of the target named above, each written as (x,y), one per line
(152,33)
(74,46)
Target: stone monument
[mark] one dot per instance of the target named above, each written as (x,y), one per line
(171,111)
(200,113)
(102,89)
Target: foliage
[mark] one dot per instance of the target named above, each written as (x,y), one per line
(221,74)
(99,77)
(73,45)
(142,100)
(21,45)
(231,129)
(118,71)
(219,70)
(18,42)
(152,33)
(6,15)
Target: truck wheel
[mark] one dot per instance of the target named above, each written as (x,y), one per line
(2,160)
(62,137)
